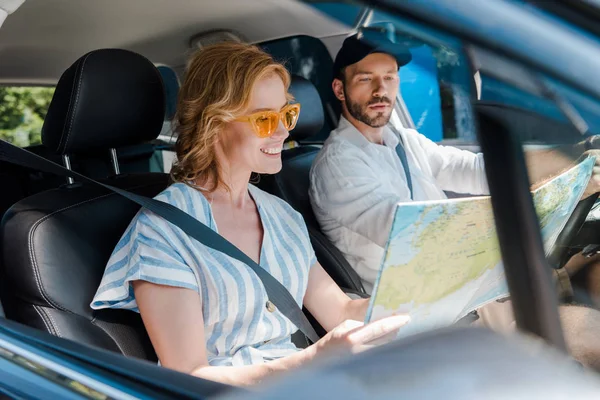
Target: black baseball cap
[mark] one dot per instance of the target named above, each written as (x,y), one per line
(355,49)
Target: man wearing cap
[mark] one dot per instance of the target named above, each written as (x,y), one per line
(367,166)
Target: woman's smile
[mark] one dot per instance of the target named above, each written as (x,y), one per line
(272,150)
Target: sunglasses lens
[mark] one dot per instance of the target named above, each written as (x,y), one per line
(266,124)
(291,117)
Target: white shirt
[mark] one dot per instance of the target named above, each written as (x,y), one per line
(239,328)
(355,186)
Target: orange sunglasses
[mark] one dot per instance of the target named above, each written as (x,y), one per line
(265,123)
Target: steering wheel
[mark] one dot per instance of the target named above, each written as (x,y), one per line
(558,256)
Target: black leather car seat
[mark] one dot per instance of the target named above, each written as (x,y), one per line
(22,182)
(144,156)
(55,244)
(292,183)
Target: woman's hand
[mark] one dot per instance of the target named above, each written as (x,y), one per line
(354,336)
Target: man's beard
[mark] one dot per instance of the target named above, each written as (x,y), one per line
(359,111)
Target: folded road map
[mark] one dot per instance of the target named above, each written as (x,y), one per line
(442,259)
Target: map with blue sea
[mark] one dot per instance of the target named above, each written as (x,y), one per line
(442,259)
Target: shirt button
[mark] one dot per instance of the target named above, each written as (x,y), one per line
(270,306)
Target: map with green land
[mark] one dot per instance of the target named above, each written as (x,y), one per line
(442,259)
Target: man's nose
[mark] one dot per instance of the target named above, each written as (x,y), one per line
(380,90)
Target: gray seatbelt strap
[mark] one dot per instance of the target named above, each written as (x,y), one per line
(402,156)
(276,292)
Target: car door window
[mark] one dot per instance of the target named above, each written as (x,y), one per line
(22,113)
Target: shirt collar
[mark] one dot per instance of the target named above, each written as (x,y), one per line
(353,135)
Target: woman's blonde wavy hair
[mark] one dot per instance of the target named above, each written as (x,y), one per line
(216,90)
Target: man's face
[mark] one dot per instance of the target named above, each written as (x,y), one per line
(369,89)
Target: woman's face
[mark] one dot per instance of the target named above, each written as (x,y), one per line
(243,149)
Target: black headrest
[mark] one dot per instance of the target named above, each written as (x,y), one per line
(311,114)
(108,98)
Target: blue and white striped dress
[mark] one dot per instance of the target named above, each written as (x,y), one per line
(239,328)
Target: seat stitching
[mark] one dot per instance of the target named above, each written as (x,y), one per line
(54,324)
(76,99)
(62,134)
(48,325)
(32,254)
(32,257)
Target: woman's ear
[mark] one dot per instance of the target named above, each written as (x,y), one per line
(338,89)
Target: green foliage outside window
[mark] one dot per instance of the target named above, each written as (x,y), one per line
(22,113)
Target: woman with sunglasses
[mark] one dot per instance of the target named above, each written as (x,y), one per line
(206,313)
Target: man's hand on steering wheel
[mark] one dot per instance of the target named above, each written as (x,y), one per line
(559,254)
